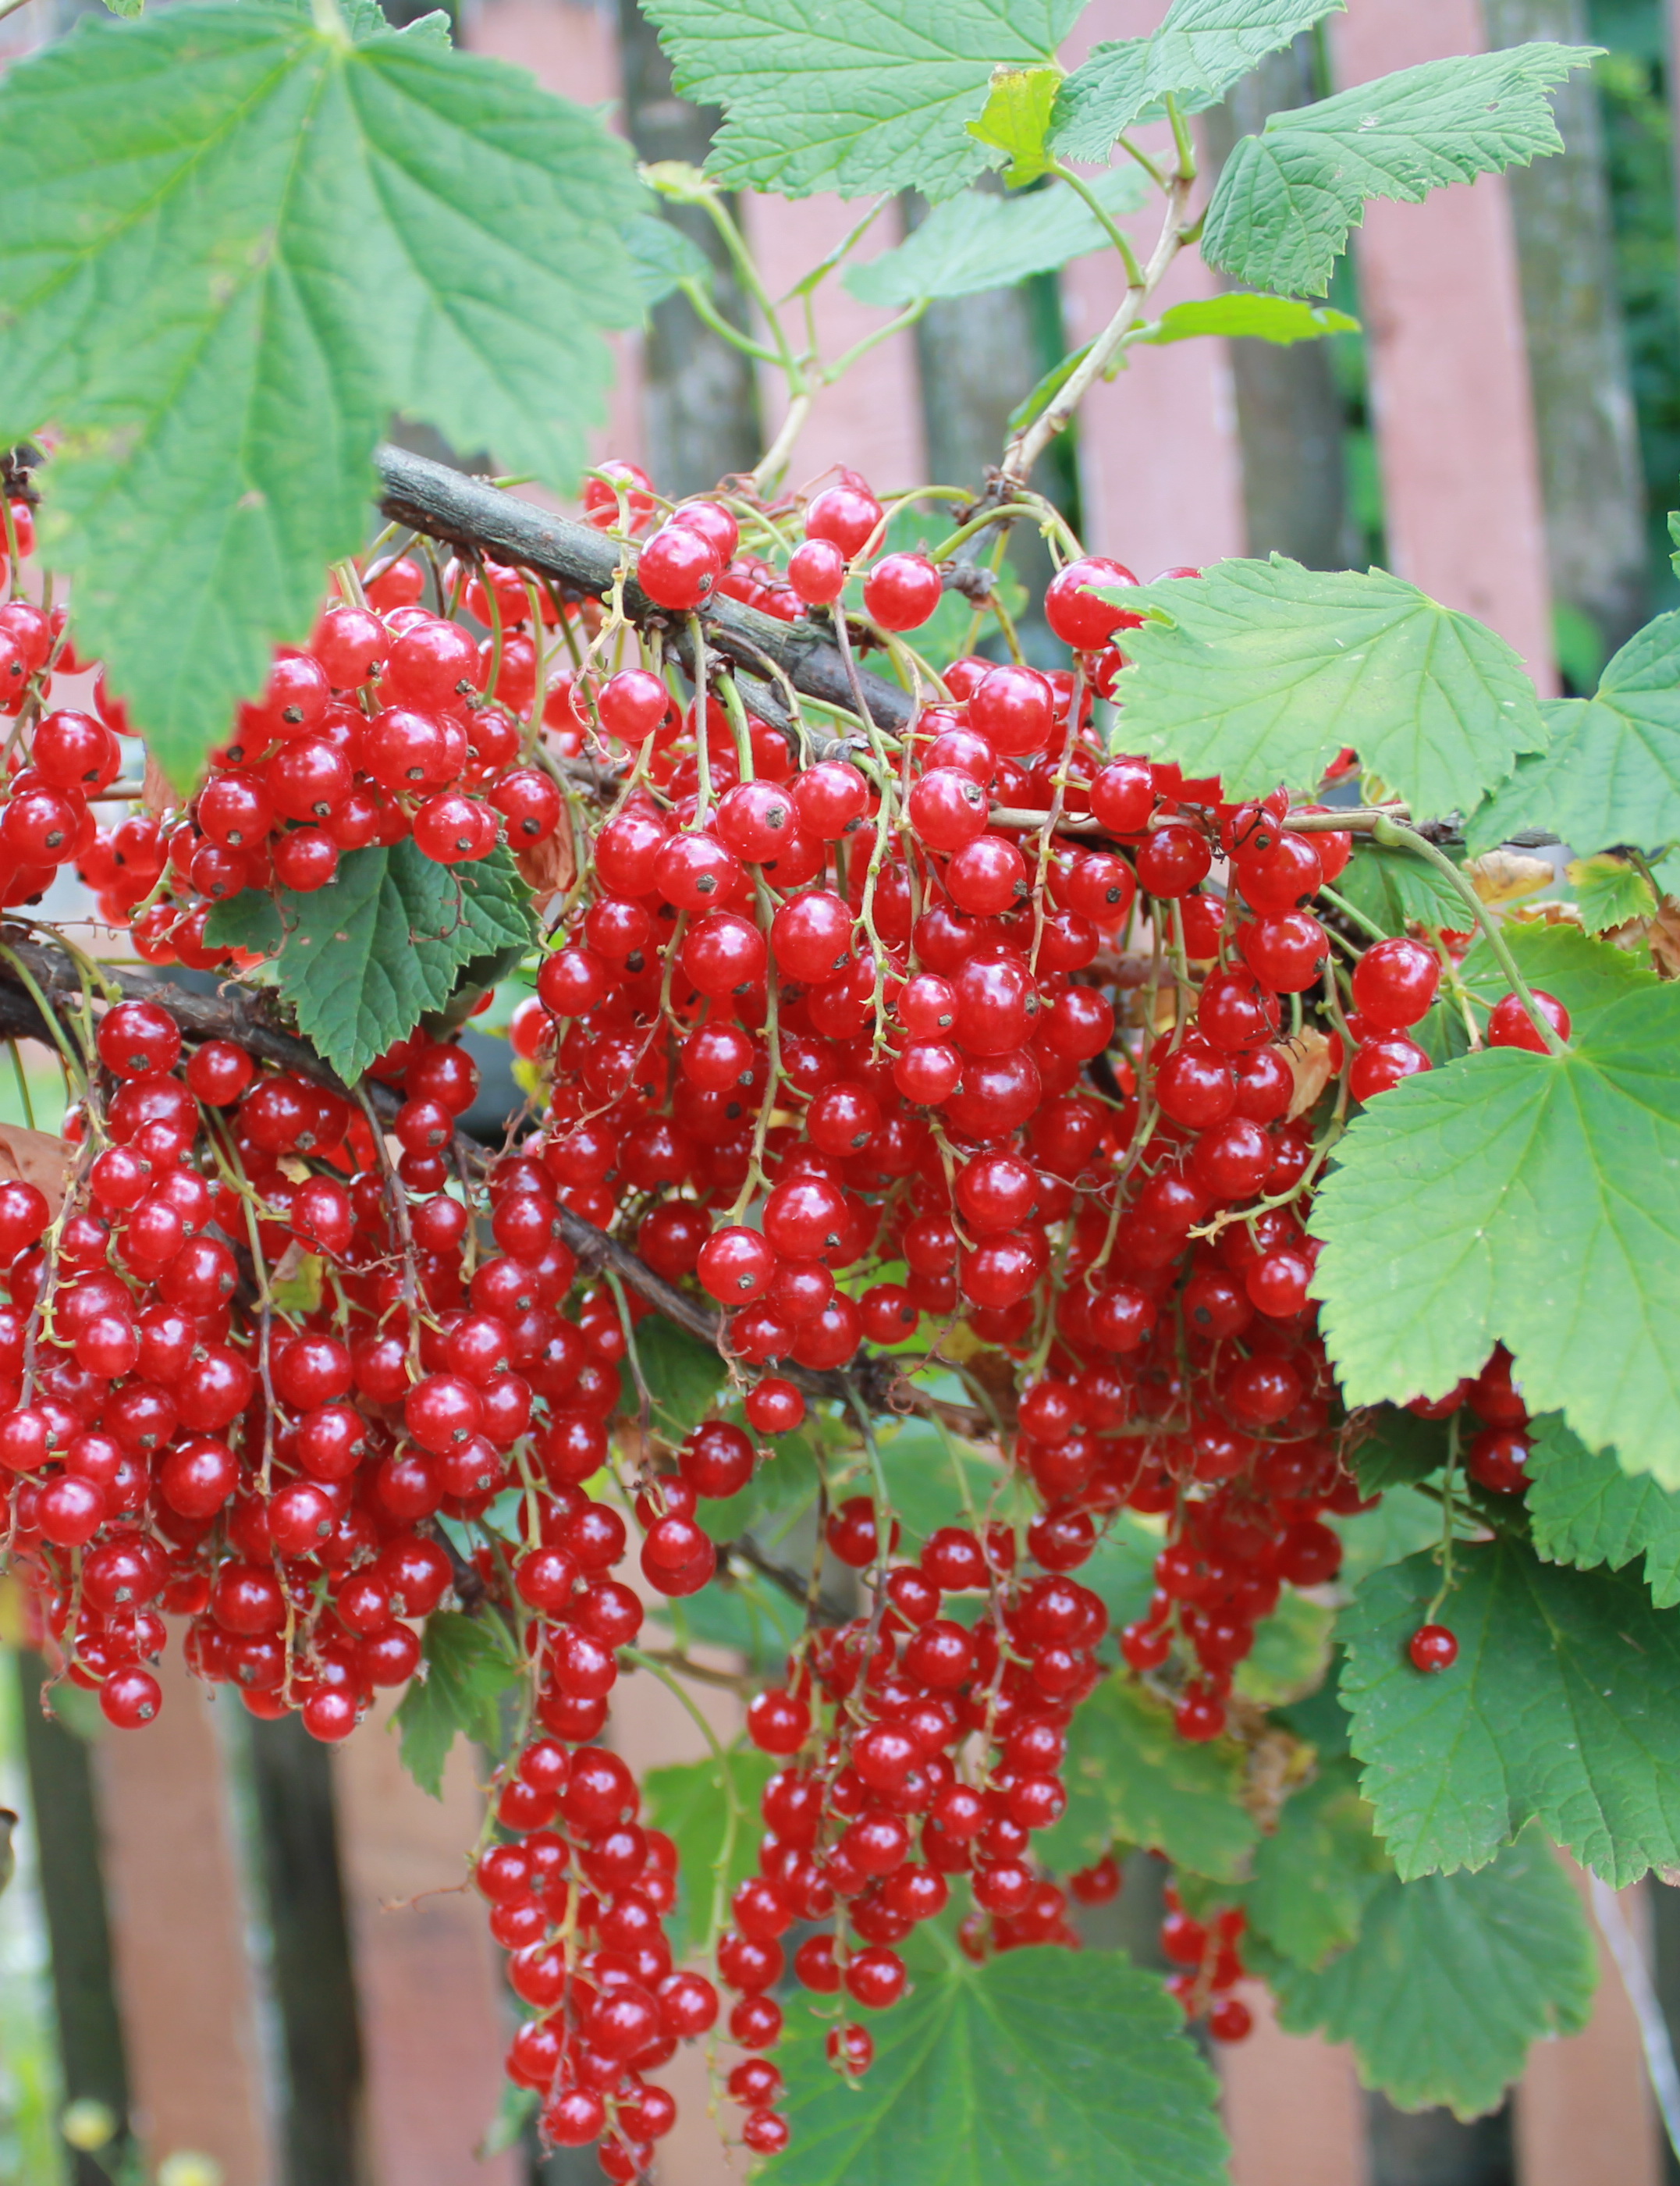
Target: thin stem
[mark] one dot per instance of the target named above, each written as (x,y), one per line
(1157,174)
(731,1797)
(847,358)
(1094,204)
(1351,911)
(708,313)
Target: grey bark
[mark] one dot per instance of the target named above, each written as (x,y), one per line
(66,1819)
(700,403)
(1289,409)
(1577,359)
(1432,2148)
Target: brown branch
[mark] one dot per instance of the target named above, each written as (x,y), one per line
(469,512)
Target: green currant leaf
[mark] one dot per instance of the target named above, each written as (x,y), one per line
(1395,890)
(1403,1522)
(1584,1509)
(1451,1979)
(1131,1778)
(1563,1708)
(743,1611)
(682,1374)
(1528,1199)
(932,1480)
(1290,1652)
(780,1491)
(231,242)
(1317,1870)
(1017,115)
(1396,1448)
(1040,2064)
(661,258)
(363,960)
(710,1812)
(1200,49)
(979,241)
(1282,320)
(1610,772)
(1262,672)
(468,1668)
(869,97)
(1285,200)
(1609,892)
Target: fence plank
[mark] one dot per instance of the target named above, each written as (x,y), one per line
(178,1935)
(870,419)
(1160,464)
(1293,2107)
(1584,2108)
(432,2026)
(1449,371)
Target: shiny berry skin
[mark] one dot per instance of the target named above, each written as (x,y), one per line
(1380,1064)
(902,591)
(632,704)
(1498,1460)
(774,1407)
(1511,1026)
(679,568)
(846,514)
(1285,950)
(1432,1647)
(139,1039)
(1173,858)
(817,572)
(1074,612)
(1394,983)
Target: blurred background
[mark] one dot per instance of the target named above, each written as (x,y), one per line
(230,1957)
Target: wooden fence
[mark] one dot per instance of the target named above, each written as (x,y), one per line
(411,2055)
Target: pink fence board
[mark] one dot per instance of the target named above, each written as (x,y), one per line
(1449,374)
(178,1935)
(1293,2106)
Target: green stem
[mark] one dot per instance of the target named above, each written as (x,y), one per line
(731,1797)
(1094,206)
(847,358)
(708,313)
(1351,911)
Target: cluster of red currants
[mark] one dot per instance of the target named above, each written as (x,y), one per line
(393,724)
(1208,1954)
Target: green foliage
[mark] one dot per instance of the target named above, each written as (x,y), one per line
(1586,976)
(934,1479)
(1561,1708)
(1291,1648)
(231,242)
(1395,888)
(1610,772)
(710,1812)
(1131,1778)
(362,961)
(980,241)
(1285,200)
(1016,117)
(1194,56)
(682,1374)
(870,97)
(780,1491)
(743,1611)
(1583,1509)
(1396,1447)
(660,257)
(1281,320)
(1531,1199)
(1262,672)
(1450,1981)
(1609,892)
(1040,2063)
(469,1666)
(1319,1870)
(1403,1522)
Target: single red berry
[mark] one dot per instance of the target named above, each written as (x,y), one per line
(1432,1647)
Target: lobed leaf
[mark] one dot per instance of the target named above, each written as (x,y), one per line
(362,961)
(467,1670)
(682,1374)
(1195,55)
(1610,772)
(1452,1978)
(1262,672)
(1561,1708)
(1317,1872)
(1396,889)
(1040,2064)
(1014,119)
(980,241)
(1610,892)
(873,96)
(1131,1778)
(1528,1199)
(691,1801)
(1583,1509)
(232,244)
(1285,200)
